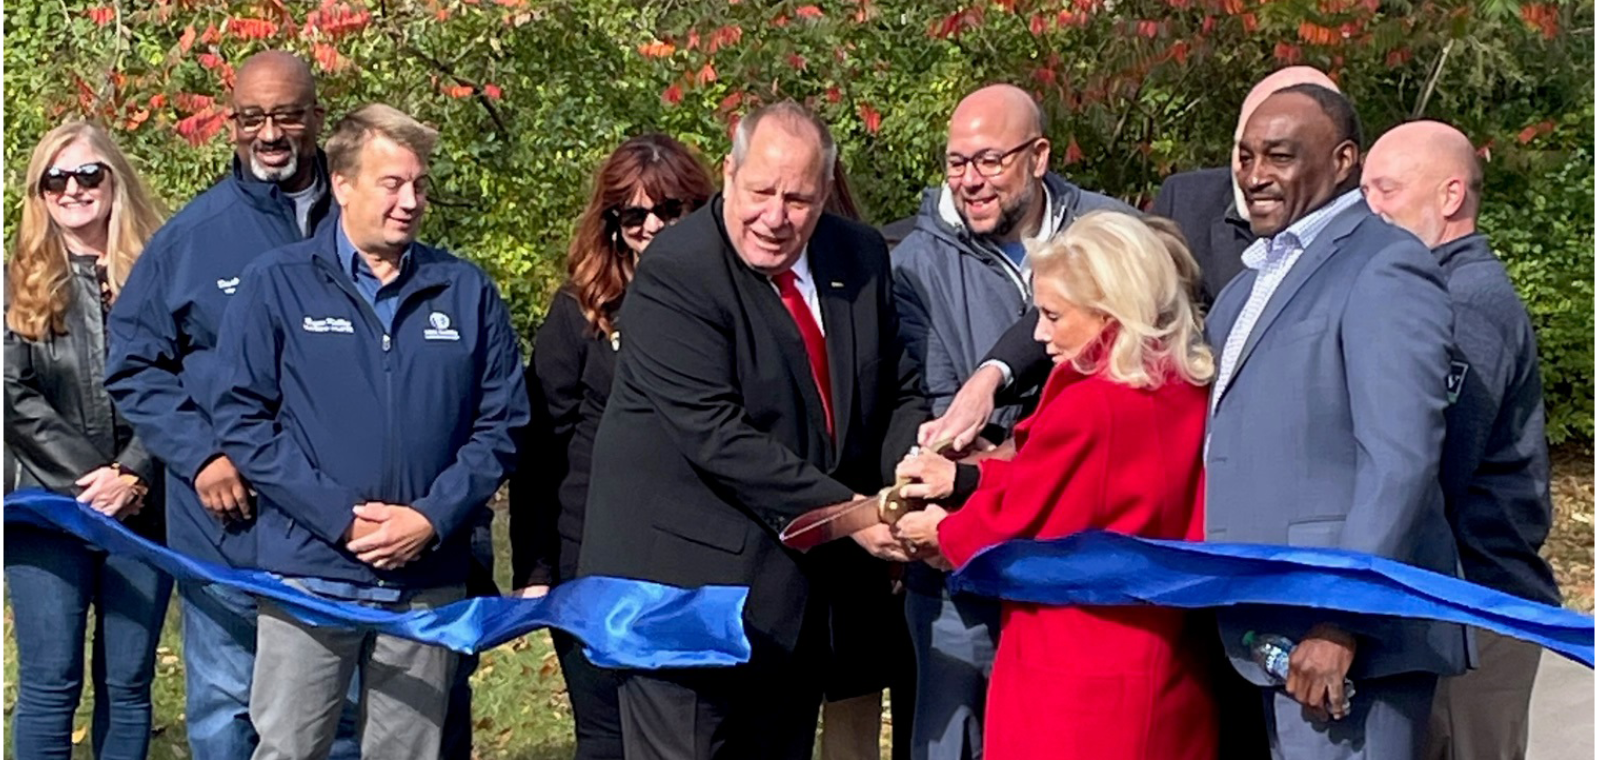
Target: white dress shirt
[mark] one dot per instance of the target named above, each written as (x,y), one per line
(806,283)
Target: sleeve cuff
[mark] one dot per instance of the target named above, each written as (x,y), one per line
(1004,371)
(966,478)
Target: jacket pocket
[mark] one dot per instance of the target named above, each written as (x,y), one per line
(1298,331)
(1321,534)
(722,533)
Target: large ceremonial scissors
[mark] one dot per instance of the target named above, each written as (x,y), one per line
(819,526)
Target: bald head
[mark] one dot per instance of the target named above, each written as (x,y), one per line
(1276,80)
(276,66)
(1000,105)
(997,156)
(1279,80)
(276,119)
(1423,176)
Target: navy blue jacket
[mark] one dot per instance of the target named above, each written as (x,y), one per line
(162,364)
(1495,457)
(322,409)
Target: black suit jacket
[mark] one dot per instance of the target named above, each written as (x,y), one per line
(1202,204)
(714,437)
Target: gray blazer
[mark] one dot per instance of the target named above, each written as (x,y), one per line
(1331,431)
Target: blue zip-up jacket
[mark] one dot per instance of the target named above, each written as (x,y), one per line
(321,408)
(162,363)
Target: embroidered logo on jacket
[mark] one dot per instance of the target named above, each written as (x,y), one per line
(228,286)
(327,325)
(440,329)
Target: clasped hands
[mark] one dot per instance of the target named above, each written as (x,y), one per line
(387,536)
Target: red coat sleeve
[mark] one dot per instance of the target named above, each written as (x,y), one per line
(1016,499)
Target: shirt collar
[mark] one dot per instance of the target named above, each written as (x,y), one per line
(1300,234)
(801,268)
(355,264)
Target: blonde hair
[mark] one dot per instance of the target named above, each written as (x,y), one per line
(352,132)
(38,274)
(1115,265)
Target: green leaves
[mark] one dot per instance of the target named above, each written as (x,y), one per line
(1141,88)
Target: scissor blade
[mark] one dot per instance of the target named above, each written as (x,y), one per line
(819,526)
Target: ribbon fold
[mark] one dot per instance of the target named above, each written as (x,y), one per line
(623,623)
(1103,568)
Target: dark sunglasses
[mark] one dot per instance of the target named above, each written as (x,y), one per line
(88,176)
(634,216)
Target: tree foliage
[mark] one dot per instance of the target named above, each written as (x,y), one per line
(530,95)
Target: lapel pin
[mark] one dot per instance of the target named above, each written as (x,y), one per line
(836,284)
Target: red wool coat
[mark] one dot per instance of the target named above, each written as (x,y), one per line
(1097,683)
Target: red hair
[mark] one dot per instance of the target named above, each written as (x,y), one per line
(598,265)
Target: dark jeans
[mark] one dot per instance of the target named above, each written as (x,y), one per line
(54,580)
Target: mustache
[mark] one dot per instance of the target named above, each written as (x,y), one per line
(282,144)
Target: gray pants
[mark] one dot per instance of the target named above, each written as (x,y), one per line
(955,640)
(303,672)
(1388,722)
(1483,714)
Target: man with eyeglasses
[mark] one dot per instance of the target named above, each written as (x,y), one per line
(163,366)
(961,278)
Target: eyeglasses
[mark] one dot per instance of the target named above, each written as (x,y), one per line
(89,176)
(288,120)
(989,163)
(634,216)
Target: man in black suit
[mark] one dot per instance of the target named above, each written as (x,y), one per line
(1205,203)
(760,377)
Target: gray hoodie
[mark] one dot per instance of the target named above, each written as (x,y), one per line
(957,292)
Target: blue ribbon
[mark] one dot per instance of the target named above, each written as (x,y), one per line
(624,623)
(1102,568)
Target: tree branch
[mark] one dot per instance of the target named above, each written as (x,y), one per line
(1431,83)
(479,96)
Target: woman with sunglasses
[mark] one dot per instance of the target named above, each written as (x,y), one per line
(85,219)
(646,185)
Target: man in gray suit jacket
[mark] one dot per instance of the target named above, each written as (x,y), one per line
(1326,428)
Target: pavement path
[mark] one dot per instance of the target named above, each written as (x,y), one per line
(1561,711)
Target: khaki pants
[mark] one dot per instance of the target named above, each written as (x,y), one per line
(851,729)
(1482,715)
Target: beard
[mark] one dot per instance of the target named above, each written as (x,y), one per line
(1010,214)
(266,173)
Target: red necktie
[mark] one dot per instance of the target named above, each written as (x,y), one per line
(815,342)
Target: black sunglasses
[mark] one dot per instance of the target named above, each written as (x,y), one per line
(88,176)
(634,216)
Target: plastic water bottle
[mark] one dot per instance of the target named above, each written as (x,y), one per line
(1271,652)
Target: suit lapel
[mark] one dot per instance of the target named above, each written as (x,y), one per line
(790,343)
(1308,263)
(835,288)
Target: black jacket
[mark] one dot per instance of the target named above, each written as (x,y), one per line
(569,382)
(1202,204)
(60,423)
(1495,459)
(714,436)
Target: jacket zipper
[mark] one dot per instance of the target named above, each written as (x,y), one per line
(385,344)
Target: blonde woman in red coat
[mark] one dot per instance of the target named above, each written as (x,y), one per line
(1114,445)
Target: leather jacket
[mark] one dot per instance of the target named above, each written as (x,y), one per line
(60,423)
